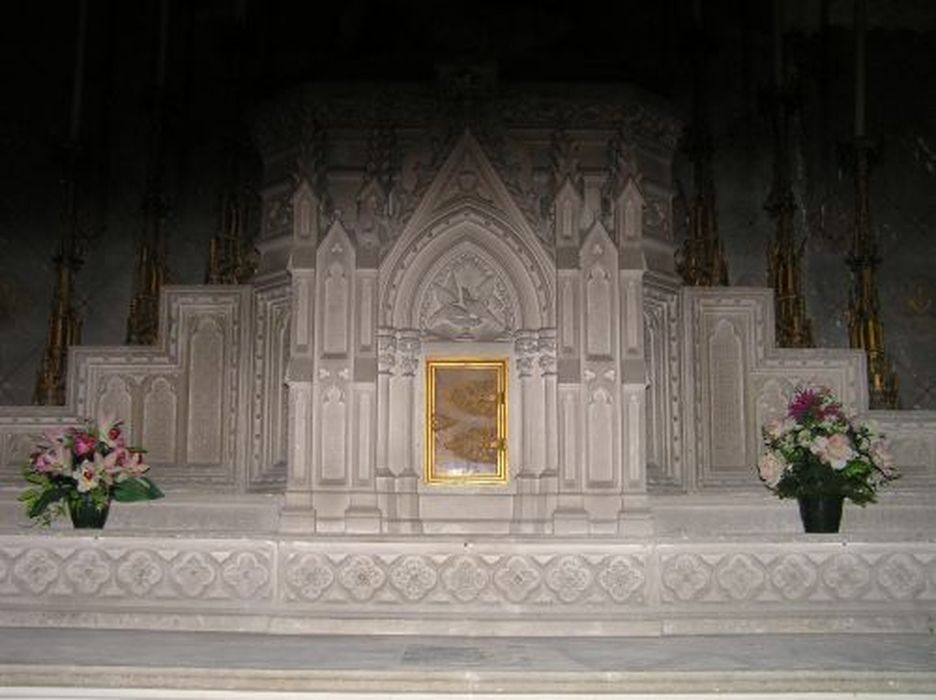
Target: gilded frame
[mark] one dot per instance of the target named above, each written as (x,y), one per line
(466,421)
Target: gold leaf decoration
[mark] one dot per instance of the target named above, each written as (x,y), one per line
(477,444)
(478,398)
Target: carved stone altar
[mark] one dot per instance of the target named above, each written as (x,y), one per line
(287,418)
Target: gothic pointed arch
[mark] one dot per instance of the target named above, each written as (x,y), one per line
(467,265)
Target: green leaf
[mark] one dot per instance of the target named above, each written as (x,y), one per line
(137,488)
(36,505)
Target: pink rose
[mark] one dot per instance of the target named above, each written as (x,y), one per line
(836,450)
(771,468)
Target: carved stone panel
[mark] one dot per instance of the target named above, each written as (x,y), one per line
(366,429)
(601,440)
(569,437)
(333,441)
(116,400)
(335,300)
(367,304)
(205,390)
(160,407)
(468,299)
(598,305)
(598,260)
(664,387)
(727,401)
(569,318)
(336,264)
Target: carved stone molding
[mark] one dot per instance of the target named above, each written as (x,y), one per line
(201,583)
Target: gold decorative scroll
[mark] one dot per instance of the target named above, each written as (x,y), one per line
(466,421)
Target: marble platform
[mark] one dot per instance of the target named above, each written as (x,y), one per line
(56,663)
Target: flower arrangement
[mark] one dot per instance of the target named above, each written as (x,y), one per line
(84,467)
(817,450)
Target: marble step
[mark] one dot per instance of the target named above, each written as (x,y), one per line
(57,663)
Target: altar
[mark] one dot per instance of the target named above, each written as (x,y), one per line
(466,394)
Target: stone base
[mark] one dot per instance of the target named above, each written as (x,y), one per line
(715,564)
(178,665)
(468,586)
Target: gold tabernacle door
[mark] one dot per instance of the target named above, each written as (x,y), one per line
(466,421)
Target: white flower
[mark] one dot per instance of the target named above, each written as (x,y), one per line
(86,477)
(882,458)
(778,427)
(771,468)
(106,422)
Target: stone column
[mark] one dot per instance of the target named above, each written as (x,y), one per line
(525,474)
(548,367)
(298,512)
(409,349)
(634,518)
(386,362)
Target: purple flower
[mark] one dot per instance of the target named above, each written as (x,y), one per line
(84,444)
(805,401)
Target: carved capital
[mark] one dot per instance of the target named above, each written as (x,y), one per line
(408,350)
(386,352)
(548,353)
(525,347)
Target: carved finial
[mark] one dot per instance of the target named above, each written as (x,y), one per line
(383,157)
(375,200)
(312,163)
(564,160)
(622,168)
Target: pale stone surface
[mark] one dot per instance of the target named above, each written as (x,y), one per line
(863,666)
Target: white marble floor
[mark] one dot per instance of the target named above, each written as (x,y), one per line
(69,663)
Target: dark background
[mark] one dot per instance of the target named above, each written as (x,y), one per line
(225,58)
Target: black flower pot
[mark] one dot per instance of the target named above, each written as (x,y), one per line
(85,514)
(821,513)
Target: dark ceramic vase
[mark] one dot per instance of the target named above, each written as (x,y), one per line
(85,514)
(820,513)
